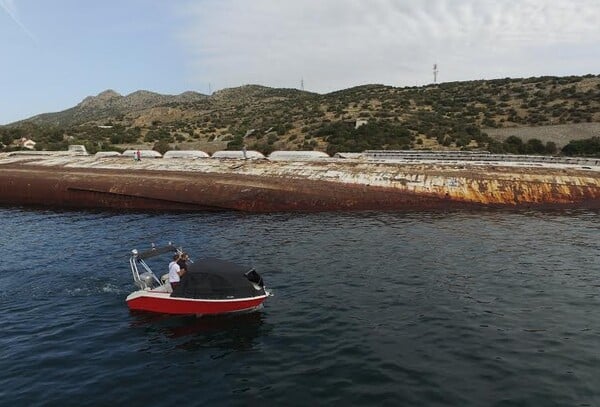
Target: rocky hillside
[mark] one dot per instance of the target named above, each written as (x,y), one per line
(456,115)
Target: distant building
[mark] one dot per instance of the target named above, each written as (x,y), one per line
(24,142)
(360,122)
(105,127)
(77,149)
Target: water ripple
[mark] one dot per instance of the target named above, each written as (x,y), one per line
(456,308)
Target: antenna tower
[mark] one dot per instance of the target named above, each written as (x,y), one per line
(435,72)
(302,83)
(209,89)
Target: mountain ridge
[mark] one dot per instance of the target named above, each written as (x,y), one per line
(450,115)
(109,103)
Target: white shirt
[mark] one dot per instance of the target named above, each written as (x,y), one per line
(174,272)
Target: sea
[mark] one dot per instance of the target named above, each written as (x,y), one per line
(485,308)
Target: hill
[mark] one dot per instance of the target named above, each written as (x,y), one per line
(455,115)
(108,105)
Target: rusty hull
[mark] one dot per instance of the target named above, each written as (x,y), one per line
(268,186)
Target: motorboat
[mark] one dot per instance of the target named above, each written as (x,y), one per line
(210,286)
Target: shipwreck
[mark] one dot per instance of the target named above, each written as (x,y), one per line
(367,181)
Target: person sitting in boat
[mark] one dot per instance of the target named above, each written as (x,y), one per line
(175,272)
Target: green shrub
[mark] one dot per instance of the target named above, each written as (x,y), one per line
(588,147)
(162,146)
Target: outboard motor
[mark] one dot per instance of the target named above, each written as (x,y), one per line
(255,279)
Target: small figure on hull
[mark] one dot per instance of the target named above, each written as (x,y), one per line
(138,155)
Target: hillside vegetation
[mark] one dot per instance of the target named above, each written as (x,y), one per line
(454,115)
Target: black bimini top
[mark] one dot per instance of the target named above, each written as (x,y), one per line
(218,279)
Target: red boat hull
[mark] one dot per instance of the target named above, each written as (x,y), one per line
(163,303)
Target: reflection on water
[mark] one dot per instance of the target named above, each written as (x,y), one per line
(231,332)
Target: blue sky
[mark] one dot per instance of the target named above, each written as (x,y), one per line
(63,51)
(55,53)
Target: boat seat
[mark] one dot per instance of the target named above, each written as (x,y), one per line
(165,280)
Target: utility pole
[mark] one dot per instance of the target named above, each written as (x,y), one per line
(302,83)
(209,89)
(435,72)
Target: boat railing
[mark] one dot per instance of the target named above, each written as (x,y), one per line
(147,279)
(144,280)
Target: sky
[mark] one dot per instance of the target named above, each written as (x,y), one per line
(55,53)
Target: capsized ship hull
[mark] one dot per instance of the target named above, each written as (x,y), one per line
(264,186)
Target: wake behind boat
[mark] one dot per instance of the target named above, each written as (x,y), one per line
(210,286)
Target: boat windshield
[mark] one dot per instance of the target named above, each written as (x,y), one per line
(157,251)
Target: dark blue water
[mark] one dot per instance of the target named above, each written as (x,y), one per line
(459,309)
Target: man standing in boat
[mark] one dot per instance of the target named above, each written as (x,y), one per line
(175,272)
